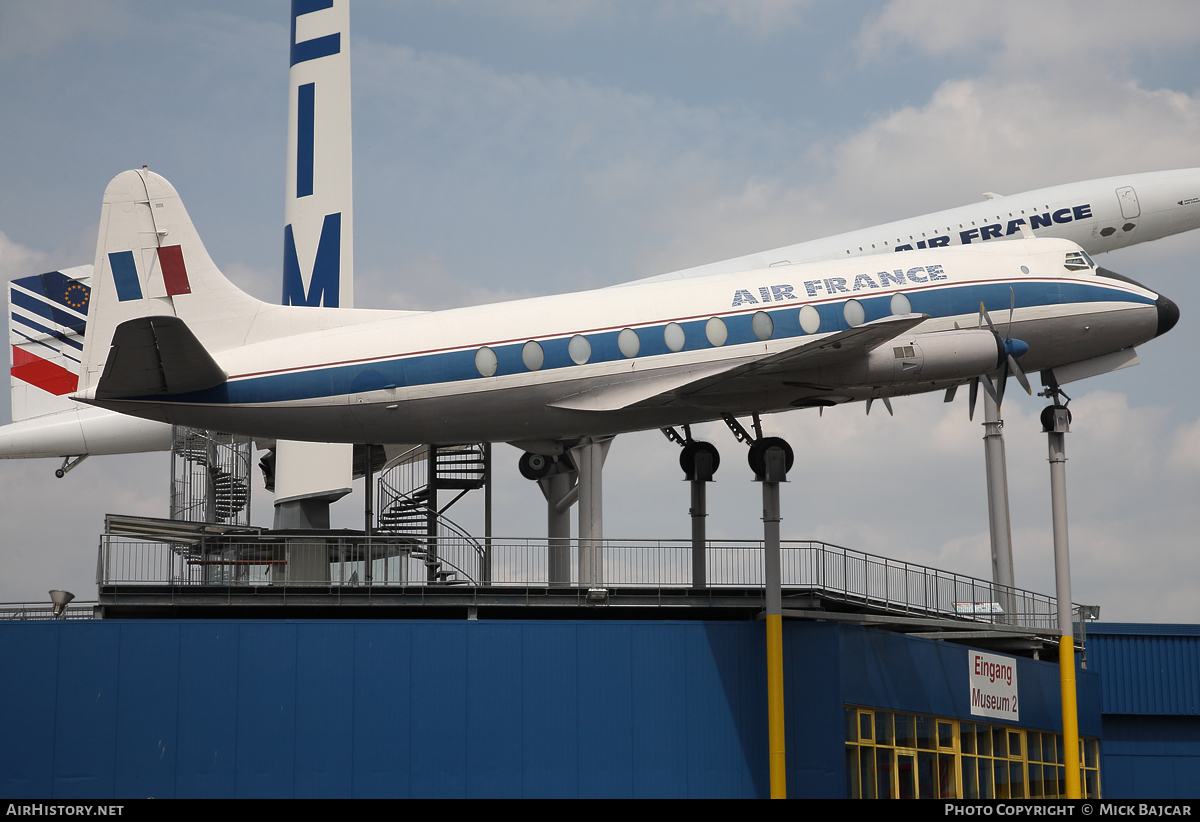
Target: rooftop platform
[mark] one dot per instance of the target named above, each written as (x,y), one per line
(149,568)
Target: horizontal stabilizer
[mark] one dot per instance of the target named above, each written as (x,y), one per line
(156,355)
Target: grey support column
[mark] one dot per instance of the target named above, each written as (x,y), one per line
(589,458)
(558,488)
(998,515)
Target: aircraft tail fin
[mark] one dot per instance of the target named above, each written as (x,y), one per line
(47,325)
(151,263)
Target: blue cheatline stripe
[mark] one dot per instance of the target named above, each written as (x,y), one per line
(55,315)
(58,335)
(459,366)
(45,345)
(125,275)
(306,113)
(318,46)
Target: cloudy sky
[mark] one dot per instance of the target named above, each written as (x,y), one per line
(530,147)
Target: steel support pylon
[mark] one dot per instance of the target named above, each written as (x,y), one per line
(999,523)
(1056,424)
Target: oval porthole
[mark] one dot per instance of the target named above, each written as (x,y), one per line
(532,355)
(900,304)
(486,362)
(716,331)
(762,325)
(854,313)
(674,336)
(579,349)
(629,343)
(1024,269)
(810,319)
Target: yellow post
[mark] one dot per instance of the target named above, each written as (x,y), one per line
(775,706)
(1066,678)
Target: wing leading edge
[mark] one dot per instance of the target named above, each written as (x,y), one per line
(691,386)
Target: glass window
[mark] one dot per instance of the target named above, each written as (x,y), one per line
(486,362)
(674,336)
(629,343)
(883,728)
(945,735)
(533,356)
(810,320)
(854,313)
(912,756)
(762,325)
(579,349)
(900,304)
(716,331)
(926,732)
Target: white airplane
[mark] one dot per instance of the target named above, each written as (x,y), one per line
(46,331)
(172,340)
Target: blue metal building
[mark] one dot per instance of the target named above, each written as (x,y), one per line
(416,708)
(1150,697)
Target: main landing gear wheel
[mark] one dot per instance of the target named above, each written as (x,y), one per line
(687,457)
(757,455)
(535,466)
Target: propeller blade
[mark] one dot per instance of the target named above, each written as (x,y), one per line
(1020,375)
(990,389)
(974,396)
(1012,306)
(984,314)
(1002,383)
(950,392)
(888,405)
(870,401)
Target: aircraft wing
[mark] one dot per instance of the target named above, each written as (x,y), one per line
(807,354)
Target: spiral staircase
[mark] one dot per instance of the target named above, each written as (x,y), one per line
(409,490)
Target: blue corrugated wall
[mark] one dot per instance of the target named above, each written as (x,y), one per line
(1150,677)
(463,708)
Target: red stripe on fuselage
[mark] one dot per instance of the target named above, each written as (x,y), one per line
(174,273)
(43,373)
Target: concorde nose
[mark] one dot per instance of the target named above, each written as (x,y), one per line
(1168,315)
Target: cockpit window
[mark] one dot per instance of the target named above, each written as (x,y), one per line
(1078,261)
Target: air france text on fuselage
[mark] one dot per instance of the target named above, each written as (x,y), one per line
(995,231)
(833,286)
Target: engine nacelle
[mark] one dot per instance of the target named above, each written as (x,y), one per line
(932,357)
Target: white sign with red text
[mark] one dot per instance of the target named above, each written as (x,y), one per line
(993,681)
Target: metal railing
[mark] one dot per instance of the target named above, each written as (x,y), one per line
(836,573)
(45,610)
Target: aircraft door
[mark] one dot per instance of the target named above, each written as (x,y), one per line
(1129,202)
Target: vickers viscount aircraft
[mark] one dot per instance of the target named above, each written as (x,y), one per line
(171,339)
(47,325)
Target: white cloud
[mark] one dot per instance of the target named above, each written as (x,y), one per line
(17,260)
(1028,34)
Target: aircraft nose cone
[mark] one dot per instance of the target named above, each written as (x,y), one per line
(1168,315)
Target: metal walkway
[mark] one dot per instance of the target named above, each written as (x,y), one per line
(158,567)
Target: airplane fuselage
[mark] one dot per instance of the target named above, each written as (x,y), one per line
(1099,215)
(661,353)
